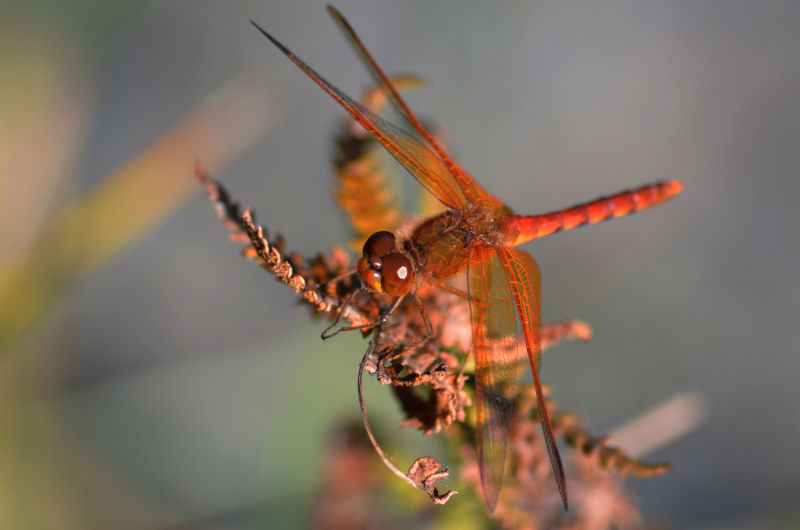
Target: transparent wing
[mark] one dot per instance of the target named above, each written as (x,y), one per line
(472,191)
(497,358)
(523,277)
(423,164)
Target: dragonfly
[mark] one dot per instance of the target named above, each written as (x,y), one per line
(477,233)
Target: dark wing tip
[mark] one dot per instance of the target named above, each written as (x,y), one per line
(490,503)
(272,39)
(490,490)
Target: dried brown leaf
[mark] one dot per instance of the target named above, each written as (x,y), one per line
(424,472)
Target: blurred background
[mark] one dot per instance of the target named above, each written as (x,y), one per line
(151,377)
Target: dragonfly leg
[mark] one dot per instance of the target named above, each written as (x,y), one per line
(325,332)
(428,325)
(418,343)
(363,327)
(322,286)
(444,286)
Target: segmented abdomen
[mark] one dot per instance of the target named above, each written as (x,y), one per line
(523,228)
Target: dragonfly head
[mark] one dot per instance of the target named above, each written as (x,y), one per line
(382,269)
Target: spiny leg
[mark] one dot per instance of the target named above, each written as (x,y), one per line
(335,279)
(363,327)
(419,342)
(444,286)
(325,334)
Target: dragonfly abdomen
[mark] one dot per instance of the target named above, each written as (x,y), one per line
(523,228)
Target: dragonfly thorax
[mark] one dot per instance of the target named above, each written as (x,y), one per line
(439,245)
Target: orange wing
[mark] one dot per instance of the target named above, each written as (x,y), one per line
(423,164)
(471,189)
(522,273)
(497,358)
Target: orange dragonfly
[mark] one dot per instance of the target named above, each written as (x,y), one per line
(476,232)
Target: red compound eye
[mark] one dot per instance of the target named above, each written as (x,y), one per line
(397,275)
(370,278)
(383,271)
(379,244)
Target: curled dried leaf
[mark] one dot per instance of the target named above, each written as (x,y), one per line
(424,472)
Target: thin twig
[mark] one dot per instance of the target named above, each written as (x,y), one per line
(363,406)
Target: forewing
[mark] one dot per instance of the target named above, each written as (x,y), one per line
(523,277)
(423,164)
(497,355)
(472,191)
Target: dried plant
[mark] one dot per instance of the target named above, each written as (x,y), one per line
(430,377)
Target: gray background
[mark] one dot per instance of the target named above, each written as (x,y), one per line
(194,389)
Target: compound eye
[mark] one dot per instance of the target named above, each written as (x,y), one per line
(397,274)
(370,278)
(379,244)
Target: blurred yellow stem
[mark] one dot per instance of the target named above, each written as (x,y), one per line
(127,204)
